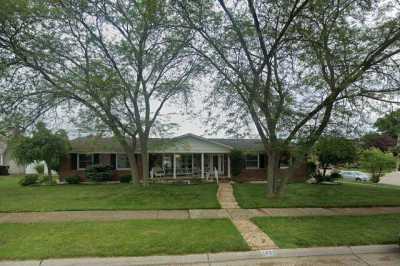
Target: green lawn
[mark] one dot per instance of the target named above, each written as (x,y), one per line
(297,232)
(122,238)
(14,198)
(307,195)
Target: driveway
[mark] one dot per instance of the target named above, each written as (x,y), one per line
(391,179)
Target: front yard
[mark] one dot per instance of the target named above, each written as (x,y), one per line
(14,198)
(306,195)
(123,238)
(295,232)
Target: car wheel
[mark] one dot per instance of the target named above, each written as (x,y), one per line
(358,179)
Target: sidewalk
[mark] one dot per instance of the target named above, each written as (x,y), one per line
(61,216)
(356,255)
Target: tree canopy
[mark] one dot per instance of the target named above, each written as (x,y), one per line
(294,68)
(389,124)
(119,62)
(43,145)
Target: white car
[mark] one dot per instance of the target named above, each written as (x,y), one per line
(354,175)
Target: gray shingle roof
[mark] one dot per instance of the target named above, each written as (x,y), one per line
(93,144)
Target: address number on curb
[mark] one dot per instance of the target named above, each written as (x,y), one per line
(268,253)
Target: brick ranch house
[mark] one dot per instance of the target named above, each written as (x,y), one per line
(180,157)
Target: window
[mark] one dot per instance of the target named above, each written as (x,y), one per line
(251,160)
(122,161)
(261,159)
(85,160)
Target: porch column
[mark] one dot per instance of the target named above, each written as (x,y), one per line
(202,165)
(220,163)
(1,159)
(229,166)
(192,164)
(174,165)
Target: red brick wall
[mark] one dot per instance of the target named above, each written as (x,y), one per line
(65,169)
(245,175)
(261,174)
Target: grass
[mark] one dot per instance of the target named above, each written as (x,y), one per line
(122,238)
(307,195)
(297,232)
(14,198)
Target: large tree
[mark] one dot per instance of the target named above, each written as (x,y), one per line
(118,61)
(291,65)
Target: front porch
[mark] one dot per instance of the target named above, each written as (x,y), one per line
(205,166)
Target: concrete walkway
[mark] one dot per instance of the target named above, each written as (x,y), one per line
(65,216)
(356,255)
(225,196)
(254,236)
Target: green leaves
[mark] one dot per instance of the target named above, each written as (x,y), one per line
(377,163)
(43,145)
(389,124)
(335,150)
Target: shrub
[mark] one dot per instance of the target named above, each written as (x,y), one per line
(39,168)
(331,178)
(237,162)
(377,163)
(99,173)
(29,180)
(73,179)
(125,179)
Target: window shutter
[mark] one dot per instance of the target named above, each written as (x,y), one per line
(96,158)
(113,162)
(74,161)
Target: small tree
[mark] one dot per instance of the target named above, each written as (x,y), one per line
(237,162)
(384,142)
(377,163)
(43,145)
(334,151)
(390,124)
(39,168)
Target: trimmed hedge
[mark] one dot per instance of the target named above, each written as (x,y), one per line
(99,173)
(125,179)
(29,180)
(73,179)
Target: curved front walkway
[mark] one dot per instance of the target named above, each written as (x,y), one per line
(255,238)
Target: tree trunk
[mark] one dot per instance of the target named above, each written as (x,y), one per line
(50,176)
(145,166)
(398,152)
(284,179)
(273,160)
(134,167)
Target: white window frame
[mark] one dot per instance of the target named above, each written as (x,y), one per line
(258,162)
(116,162)
(78,159)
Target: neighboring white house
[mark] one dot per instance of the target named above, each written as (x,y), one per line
(6,160)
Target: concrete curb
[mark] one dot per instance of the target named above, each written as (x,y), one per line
(209,258)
